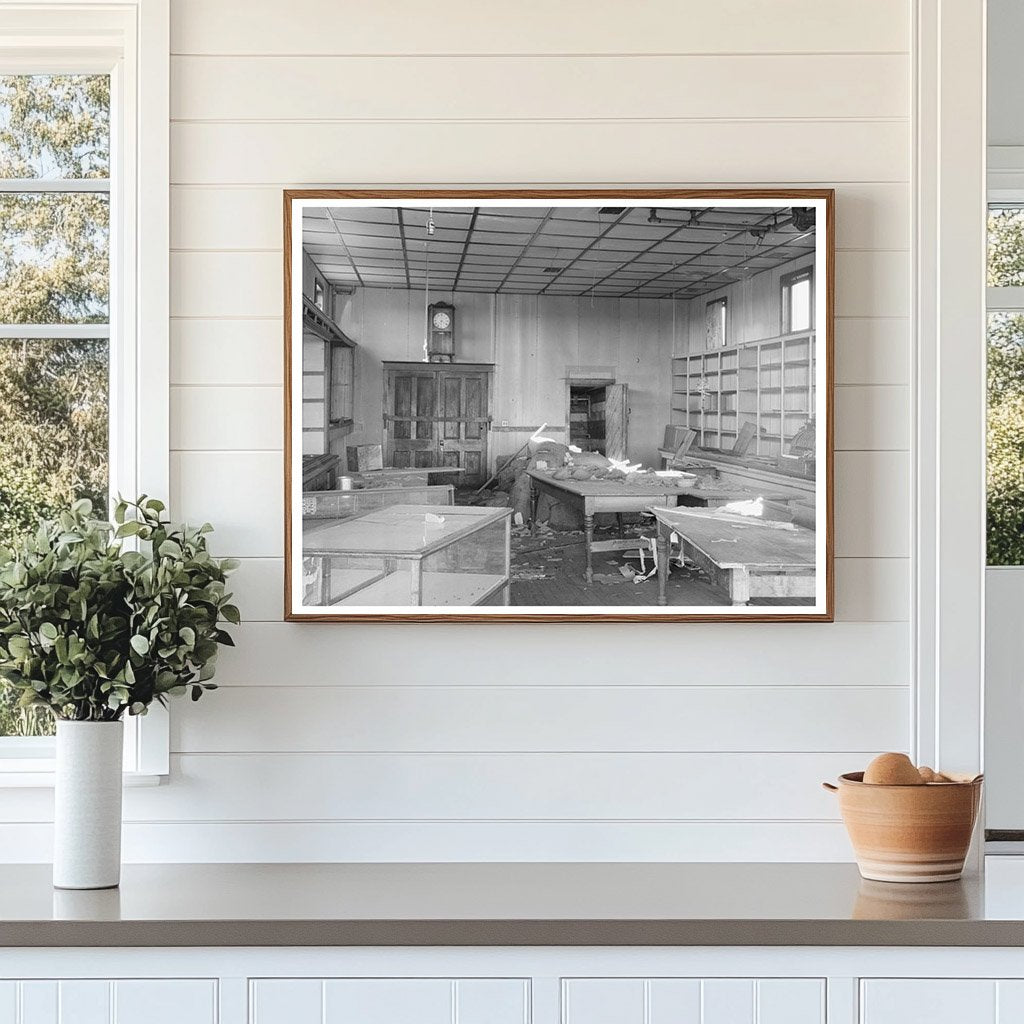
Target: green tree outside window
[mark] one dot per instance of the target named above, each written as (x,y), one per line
(54,271)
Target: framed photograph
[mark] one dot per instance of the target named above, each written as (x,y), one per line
(558,405)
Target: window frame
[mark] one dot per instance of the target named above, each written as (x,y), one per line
(786,282)
(130,41)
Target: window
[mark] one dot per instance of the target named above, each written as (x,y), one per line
(1005,470)
(342,379)
(83,254)
(54,293)
(798,301)
(715,323)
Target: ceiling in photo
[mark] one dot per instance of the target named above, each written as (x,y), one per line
(643,252)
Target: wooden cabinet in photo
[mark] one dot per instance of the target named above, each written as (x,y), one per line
(438,415)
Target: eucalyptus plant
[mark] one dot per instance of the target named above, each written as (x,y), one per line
(98,619)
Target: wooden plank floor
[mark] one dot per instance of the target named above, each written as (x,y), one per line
(561,557)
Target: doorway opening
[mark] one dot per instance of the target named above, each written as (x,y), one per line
(587,415)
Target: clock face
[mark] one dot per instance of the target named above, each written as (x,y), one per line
(442,321)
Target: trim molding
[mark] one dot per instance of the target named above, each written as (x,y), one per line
(949,447)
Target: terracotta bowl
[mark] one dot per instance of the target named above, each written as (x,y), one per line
(909,833)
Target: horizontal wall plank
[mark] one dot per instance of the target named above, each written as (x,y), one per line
(227,352)
(235,284)
(258,586)
(872,590)
(872,283)
(536,26)
(867,589)
(872,418)
(375,787)
(232,489)
(462,842)
(749,654)
(238,284)
(492,719)
(872,350)
(538,88)
(234,418)
(868,216)
(418,153)
(873,504)
(241,493)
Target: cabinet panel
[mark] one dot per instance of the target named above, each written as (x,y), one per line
(84,1002)
(100,1001)
(728,1001)
(8,1002)
(492,1001)
(693,1001)
(790,1001)
(929,1001)
(279,1000)
(389,1001)
(164,1002)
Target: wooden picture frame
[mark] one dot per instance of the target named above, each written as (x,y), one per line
(795,489)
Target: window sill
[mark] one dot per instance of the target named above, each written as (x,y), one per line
(38,773)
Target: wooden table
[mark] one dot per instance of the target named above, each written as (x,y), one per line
(593,496)
(746,557)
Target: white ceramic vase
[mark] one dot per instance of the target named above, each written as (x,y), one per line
(87,807)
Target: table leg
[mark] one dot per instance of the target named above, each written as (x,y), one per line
(622,528)
(588,529)
(739,586)
(534,498)
(664,546)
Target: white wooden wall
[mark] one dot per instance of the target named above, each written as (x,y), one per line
(533,742)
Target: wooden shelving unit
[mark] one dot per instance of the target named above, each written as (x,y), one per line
(768,383)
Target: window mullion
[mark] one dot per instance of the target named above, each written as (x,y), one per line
(62,332)
(54,185)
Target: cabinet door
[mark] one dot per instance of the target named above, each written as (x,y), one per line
(464,424)
(941,1001)
(693,1001)
(99,1001)
(410,413)
(389,1001)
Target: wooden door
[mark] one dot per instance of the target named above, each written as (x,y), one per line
(463,424)
(616,420)
(410,418)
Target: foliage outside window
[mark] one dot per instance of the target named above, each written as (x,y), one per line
(54,308)
(1005,478)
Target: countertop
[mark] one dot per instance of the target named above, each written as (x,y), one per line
(559,904)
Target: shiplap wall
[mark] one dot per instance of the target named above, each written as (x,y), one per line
(703,741)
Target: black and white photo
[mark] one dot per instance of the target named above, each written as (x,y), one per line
(559,405)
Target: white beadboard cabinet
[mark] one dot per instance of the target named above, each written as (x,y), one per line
(693,1001)
(107,1001)
(942,1001)
(513,985)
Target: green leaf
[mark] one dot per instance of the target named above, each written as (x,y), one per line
(140,644)
(48,630)
(231,613)
(170,549)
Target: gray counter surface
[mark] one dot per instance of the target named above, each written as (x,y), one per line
(501,904)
